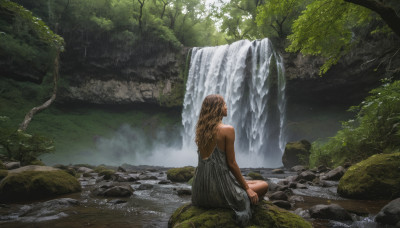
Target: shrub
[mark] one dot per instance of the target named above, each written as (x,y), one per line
(375,129)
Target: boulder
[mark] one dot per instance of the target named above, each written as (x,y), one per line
(265,214)
(390,213)
(331,211)
(182,192)
(279,195)
(377,177)
(164,182)
(13,165)
(334,174)
(145,187)
(282,204)
(298,168)
(84,170)
(36,182)
(118,191)
(306,175)
(180,174)
(296,153)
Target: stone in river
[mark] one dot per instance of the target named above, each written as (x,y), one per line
(331,211)
(390,213)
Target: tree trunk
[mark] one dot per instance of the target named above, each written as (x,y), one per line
(141,14)
(46,104)
(388,14)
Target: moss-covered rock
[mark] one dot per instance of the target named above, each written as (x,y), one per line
(180,174)
(2,166)
(36,183)
(296,153)
(265,214)
(377,177)
(107,174)
(3,173)
(255,176)
(36,162)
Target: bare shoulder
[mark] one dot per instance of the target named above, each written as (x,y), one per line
(226,129)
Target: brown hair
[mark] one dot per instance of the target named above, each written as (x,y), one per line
(211,114)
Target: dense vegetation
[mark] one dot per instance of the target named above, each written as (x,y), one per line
(119,32)
(376,129)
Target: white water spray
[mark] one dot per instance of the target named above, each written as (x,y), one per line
(253,86)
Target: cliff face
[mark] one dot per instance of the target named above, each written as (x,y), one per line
(156,79)
(316,104)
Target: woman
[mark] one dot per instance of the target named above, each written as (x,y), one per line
(218,181)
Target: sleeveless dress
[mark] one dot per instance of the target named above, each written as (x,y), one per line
(214,186)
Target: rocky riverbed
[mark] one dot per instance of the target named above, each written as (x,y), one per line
(143,196)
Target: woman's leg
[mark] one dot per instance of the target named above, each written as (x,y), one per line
(259,186)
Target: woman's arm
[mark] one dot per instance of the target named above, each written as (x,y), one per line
(229,133)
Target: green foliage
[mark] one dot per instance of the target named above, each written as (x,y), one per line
(24,147)
(238,19)
(276,16)
(325,29)
(376,129)
(27,45)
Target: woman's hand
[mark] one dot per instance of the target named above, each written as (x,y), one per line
(252,196)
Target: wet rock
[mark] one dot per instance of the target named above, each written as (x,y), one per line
(145,187)
(36,182)
(296,199)
(182,192)
(298,168)
(107,174)
(322,169)
(282,204)
(390,213)
(12,165)
(278,196)
(292,185)
(277,171)
(120,169)
(377,177)
(84,170)
(282,188)
(165,182)
(265,214)
(332,212)
(117,201)
(118,191)
(334,174)
(301,186)
(255,176)
(86,175)
(306,176)
(147,177)
(301,212)
(180,174)
(296,153)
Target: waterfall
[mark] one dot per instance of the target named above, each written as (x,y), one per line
(250,77)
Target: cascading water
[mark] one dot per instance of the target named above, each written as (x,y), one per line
(250,77)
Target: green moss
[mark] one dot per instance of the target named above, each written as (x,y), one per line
(3,173)
(265,214)
(31,185)
(37,162)
(107,173)
(377,177)
(255,176)
(175,97)
(190,182)
(180,174)
(2,166)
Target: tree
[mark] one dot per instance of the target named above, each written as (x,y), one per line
(326,27)
(278,15)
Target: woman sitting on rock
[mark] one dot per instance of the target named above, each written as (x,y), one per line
(218,182)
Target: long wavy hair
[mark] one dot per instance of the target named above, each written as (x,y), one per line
(211,114)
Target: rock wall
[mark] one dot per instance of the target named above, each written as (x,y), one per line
(316,104)
(156,79)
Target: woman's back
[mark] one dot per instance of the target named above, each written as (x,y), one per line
(215,186)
